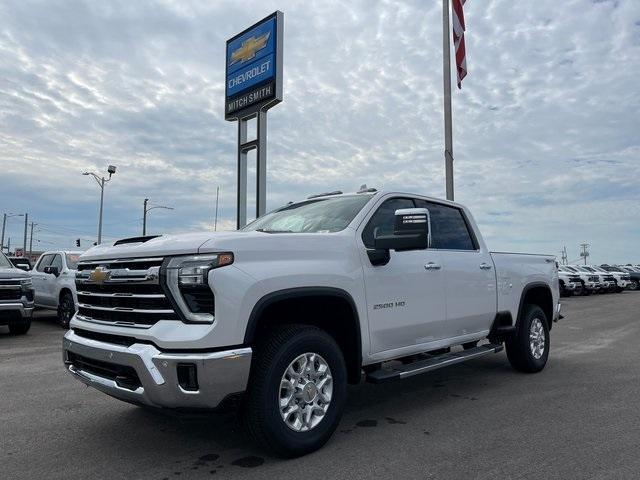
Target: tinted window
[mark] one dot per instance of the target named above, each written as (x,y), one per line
(44,261)
(448,227)
(382,222)
(57,262)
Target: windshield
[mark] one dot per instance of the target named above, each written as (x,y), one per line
(588,269)
(4,261)
(316,215)
(72,261)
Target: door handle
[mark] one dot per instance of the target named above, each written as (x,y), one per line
(485,266)
(432,266)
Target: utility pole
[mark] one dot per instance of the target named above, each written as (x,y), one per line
(24,244)
(584,253)
(146,210)
(144,217)
(4,224)
(101,181)
(31,241)
(564,255)
(215,222)
(448,129)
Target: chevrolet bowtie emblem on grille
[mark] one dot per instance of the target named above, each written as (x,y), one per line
(249,48)
(99,275)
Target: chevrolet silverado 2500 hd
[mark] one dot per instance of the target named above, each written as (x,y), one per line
(16,297)
(306,299)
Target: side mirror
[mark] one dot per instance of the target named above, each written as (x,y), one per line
(411,232)
(52,270)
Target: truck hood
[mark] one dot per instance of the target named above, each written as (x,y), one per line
(246,244)
(181,244)
(13,273)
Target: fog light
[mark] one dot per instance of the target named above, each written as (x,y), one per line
(187,377)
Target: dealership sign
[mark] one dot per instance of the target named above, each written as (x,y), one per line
(253,79)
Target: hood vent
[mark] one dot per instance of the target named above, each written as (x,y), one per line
(124,241)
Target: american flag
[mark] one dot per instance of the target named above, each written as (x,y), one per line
(458,40)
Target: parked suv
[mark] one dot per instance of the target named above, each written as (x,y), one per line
(16,297)
(54,283)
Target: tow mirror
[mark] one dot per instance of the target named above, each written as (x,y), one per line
(411,232)
(52,270)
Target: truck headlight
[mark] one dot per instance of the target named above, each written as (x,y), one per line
(186,278)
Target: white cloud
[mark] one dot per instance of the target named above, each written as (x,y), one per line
(546,137)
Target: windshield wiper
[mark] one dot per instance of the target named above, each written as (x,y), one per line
(266,230)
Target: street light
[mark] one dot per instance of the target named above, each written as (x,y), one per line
(101,181)
(148,209)
(4,224)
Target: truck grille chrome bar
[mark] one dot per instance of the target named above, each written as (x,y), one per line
(123,292)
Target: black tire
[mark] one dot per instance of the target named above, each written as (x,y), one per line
(633,285)
(578,291)
(519,350)
(20,326)
(66,309)
(586,292)
(272,356)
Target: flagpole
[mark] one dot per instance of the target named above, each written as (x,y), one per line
(448,131)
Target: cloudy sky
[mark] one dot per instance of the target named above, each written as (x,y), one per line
(546,127)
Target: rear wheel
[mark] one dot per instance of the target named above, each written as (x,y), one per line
(528,349)
(296,391)
(66,309)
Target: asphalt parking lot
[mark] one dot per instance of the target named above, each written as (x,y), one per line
(579,418)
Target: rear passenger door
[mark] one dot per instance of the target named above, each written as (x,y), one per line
(470,281)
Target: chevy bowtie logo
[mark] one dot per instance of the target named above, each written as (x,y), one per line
(249,48)
(99,275)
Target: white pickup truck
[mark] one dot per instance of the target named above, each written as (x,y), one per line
(284,313)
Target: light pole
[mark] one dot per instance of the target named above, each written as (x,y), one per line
(146,210)
(101,181)
(4,224)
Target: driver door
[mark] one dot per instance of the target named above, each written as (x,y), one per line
(406,297)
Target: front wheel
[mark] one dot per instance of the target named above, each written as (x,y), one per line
(297,390)
(528,349)
(66,309)
(633,285)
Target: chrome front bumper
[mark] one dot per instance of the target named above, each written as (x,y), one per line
(220,374)
(571,286)
(26,311)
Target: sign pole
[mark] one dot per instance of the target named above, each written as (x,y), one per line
(253,84)
(241,219)
(448,130)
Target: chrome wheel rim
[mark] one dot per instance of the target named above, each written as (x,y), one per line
(537,340)
(305,392)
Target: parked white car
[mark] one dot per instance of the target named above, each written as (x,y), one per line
(622,279)
(301,302)
(570,282)
(590,281)
(54,279)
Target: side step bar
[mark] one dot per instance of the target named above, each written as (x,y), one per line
(432,363)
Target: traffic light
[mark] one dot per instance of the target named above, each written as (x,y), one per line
(77,242)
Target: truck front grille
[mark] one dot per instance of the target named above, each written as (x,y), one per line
(10,289)
(124,292)
(574,278)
